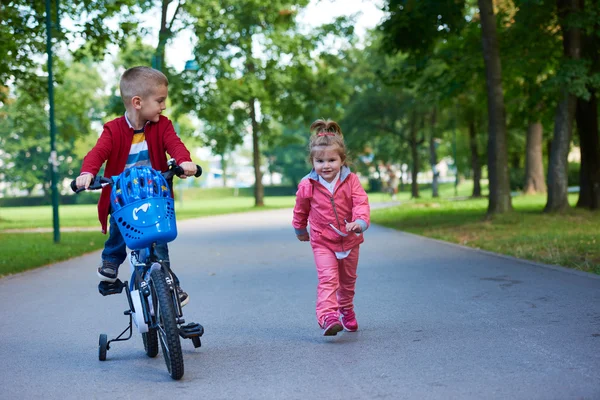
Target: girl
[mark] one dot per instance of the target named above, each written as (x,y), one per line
(331,199)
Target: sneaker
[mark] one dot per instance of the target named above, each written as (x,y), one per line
(331,325)
(349,320)
(108,271)
(183,296)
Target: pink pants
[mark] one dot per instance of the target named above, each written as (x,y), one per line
(337,280)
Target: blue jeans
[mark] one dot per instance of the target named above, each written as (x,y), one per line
(115,249)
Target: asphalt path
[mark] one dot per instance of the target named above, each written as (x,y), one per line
(437,321)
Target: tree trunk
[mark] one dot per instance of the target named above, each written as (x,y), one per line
(535,181)
(164,34)
(558,166)
(499,199)
(589,175)
(587,128)
(433,155)
(475,164)
(565,113)
(415,156)
(258,185)
(224,168)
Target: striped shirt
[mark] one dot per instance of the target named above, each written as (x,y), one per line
(138,154)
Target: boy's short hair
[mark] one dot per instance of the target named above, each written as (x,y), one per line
(140,81)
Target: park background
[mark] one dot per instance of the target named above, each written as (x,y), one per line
(483,114)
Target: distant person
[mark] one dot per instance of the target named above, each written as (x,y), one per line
(331,199)
(393,183)
(139,138)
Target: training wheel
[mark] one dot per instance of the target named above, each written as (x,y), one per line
(102,347)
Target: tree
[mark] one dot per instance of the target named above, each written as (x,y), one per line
(534,165)
(587,113)
(251,62)
(436,37)
(531,49)
(24,127)
(23,32)
(499,198)
(565,111)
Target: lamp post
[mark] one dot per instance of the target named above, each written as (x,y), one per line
(53,156)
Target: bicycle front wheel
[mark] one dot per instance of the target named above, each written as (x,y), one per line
(168,332)
(149,338)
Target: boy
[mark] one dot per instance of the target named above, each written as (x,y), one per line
(140,137)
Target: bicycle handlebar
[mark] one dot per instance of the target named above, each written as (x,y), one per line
(98,182)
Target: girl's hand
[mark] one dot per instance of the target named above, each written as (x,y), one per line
(353,227)
(189,168)
(303,238)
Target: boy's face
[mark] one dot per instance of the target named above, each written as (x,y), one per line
(151,106)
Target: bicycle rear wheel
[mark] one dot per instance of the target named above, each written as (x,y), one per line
(167,330)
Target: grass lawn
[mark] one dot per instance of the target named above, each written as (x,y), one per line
(23,251)
(571,239)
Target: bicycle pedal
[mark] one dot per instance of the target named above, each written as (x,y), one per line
(108,288)
(191,330)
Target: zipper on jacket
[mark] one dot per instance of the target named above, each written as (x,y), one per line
(336,218)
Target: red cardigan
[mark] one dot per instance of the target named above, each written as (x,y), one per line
(114,144)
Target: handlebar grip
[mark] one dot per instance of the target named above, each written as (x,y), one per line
(198,171)
(75,188)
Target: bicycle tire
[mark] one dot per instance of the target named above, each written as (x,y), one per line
(167,330)
(149,338)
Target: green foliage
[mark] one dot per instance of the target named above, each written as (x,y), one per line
(250,54)
(24,128)
(23,32)
(416,26)
(288,153)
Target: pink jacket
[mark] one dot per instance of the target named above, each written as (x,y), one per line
(327,213)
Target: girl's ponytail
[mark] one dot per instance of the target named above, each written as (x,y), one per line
(326,133)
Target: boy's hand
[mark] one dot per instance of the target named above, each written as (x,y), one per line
(303,238)
(189,168)
(353,227)
(84,180)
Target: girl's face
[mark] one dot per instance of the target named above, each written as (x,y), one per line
(327,162)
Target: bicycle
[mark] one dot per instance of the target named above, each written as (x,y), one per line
(145,214)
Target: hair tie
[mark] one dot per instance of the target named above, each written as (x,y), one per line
(325,133)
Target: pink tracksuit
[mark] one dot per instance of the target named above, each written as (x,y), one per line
(327,215)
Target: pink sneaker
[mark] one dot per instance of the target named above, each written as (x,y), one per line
(331,325)
(349,320)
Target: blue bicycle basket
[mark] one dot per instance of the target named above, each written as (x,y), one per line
(143,208)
